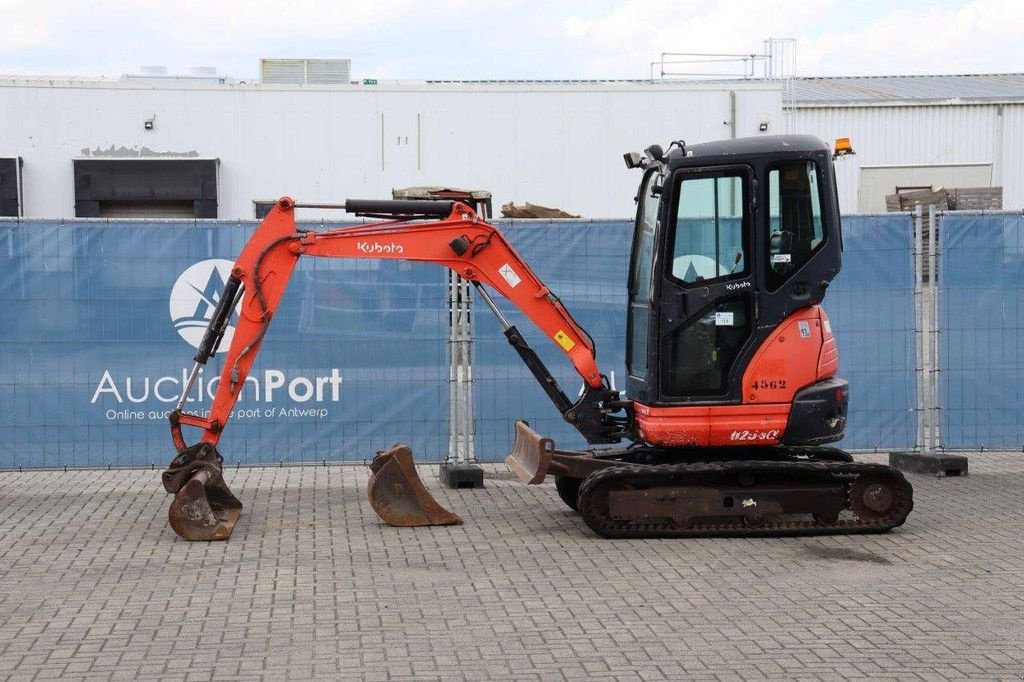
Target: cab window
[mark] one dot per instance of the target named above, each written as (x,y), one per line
(640,284)
(707,240)
(794,217)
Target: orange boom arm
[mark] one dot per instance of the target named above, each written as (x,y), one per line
(444,232)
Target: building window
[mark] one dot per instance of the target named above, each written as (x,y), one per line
(146,188)
(11,199)
(262,208)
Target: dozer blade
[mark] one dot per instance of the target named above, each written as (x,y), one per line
(203,507)
(398,495)
(530,457)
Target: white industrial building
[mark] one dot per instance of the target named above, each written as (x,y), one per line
(914,132)
(207,146)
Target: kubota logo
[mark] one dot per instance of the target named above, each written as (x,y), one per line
(194,297)
(376,247)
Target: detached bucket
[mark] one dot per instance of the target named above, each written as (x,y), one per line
(530,457)
(399,497)
(203,507)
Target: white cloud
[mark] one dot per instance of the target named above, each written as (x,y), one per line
(983,35)
(505,38)
(576,27)
(979,36)
(627,39)
(124,34)
(21,27)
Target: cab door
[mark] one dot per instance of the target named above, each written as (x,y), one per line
(640,323)
(803,251)
(701,276)
(707,315)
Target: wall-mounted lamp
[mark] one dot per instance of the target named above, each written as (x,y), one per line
(148,123)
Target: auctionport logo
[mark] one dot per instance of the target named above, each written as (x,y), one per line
(194,297)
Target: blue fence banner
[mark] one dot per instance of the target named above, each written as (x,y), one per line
(981,357)
(871,308)
(584,264)
(99,322)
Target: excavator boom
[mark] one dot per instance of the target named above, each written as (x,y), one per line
(448,233)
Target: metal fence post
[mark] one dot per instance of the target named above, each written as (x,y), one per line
(919,326)
(926,458)
(933,329)
(460,468)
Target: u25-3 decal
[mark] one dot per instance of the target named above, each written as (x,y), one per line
(768,434)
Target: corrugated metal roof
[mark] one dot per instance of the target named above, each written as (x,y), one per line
(549,81)
(799,92)
(810,91)
(880,89)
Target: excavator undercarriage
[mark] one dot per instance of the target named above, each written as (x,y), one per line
(648,492)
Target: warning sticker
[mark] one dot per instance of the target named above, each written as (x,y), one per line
(828,326)
(564,341)
(724,319)
(782,258)
(805,329)
(510,275)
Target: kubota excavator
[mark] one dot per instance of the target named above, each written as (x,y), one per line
(731,391)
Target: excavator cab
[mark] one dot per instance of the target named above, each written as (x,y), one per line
(733,239)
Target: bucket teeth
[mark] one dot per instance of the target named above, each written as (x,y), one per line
(397,494)
(530,457)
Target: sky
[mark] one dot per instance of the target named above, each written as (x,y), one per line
(508,39)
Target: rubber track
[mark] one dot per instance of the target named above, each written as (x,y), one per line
(596,486)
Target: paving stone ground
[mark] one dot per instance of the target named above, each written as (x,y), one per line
(95,585)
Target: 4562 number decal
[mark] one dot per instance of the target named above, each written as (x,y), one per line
(768,384)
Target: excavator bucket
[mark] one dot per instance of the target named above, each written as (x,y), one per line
(530,457)
(203,507)
(201,511)
(398,495)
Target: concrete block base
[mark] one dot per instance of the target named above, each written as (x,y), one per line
(934,464)
(461,475)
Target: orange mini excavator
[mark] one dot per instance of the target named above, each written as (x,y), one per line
(731,394)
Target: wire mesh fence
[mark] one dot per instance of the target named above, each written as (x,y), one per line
(99,320)
(98,327)
(872,309)
(584,263)
(981,357)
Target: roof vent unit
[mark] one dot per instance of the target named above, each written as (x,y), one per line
(306,71)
